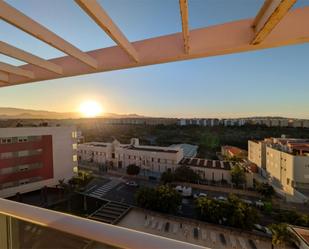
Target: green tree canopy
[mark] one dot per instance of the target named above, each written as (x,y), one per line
(185,174)
(162,198)
(265,189)
(238,175)
(167,177)
(280,234)
(233,212)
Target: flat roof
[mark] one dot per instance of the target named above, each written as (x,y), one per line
(153,149)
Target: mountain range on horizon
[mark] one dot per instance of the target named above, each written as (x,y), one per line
(19,113)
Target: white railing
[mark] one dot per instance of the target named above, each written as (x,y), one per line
(89,229)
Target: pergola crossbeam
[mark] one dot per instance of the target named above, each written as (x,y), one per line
(204,42)
(268,17)
(98,14)
(185,24)
(23,22)
(16,70)
(22,55)
(4,77)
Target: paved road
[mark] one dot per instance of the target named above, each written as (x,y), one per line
(115,189)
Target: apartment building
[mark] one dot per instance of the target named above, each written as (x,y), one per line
(285,161)
(200,122)
(257,154)
(116,155)
(33,157)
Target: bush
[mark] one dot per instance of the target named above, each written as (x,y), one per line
(132,169)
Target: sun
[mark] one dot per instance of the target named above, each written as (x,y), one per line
(90,109)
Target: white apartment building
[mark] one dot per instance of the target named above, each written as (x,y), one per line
(285,161)
(117,155)
(34,157)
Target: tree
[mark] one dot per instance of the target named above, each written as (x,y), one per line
(280,234)
(265,189)
(162,198)
(233,212)
(132,169)
(185,174)
(240,214)
(167,177)
(238,175)
(209,209)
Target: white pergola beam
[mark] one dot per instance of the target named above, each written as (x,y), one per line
(4,77)
(268,17)
(22,55)
(23,22)
(98,14)
(185,24)
(204,42)
(16,70)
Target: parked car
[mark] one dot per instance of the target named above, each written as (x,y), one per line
(185,192)
(195,196)
(221,198)
(263,229)
(247,201)
(132,184)
(259,203)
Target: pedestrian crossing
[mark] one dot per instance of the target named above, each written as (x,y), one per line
(104,189)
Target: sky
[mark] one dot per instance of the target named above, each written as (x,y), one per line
(266,82)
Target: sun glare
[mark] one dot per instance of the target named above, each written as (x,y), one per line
(90,109)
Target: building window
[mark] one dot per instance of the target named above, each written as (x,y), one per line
(22,139)
(158,160)
(24,168)
(74,158)
(6,155)
(113,155)
(74,146)
(7,140)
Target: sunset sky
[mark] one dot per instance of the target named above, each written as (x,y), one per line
(266,82)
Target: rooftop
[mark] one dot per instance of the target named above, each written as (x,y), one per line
(205,163)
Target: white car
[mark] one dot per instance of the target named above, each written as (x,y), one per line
(132,184)
(221,198)
(195,196)
(247,201)
(259,203)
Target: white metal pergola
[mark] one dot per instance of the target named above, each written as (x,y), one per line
(274,25)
